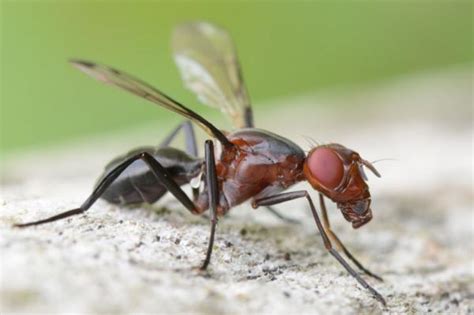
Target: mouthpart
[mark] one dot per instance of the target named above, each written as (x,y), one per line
(358,213)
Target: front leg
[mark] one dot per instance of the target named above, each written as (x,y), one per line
(339,244)
(280,198)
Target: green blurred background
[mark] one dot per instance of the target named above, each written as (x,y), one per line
(286,48)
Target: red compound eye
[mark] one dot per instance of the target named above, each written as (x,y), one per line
(326,167)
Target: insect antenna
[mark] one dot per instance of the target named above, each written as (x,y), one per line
(386,159)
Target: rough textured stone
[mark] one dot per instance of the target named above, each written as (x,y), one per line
(119,260)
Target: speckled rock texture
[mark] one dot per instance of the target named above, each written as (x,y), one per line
(117,260)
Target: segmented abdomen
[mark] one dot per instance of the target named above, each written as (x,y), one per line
(137,184)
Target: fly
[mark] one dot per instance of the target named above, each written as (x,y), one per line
(252,164)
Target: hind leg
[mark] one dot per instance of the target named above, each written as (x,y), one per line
(158,170)
(166,180)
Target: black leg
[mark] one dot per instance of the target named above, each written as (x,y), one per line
(211,181)
(189,137)
(280,216)
(159,171)
(339,244)
(280,198)
(191,145)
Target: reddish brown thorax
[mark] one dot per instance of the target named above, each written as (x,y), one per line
(260,164)
(336,172)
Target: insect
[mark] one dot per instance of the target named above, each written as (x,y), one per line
(246,164)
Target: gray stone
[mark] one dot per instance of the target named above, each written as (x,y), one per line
(142,260)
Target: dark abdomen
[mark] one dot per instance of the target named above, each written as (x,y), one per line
(137,184)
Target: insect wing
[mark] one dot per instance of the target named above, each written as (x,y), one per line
(135,86)
(207,60)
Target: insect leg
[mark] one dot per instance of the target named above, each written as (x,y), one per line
(280,198)
(159,171)
(189,136)
(191,145)
(281,216)
(211,180)
(339,244)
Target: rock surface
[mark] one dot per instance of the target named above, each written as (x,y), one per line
(119,260)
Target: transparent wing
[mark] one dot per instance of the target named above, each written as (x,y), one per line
(207,60)
(135,86)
